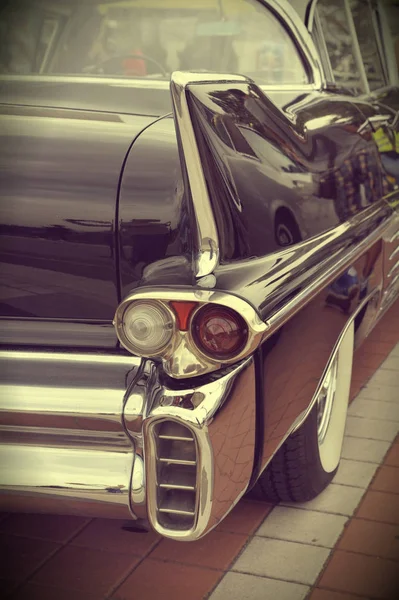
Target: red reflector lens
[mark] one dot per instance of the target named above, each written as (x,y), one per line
(219,332)
(183,311)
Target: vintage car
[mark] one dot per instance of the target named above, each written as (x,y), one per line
(199,226)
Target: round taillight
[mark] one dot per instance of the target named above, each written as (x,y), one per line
(148,327)
(219,332)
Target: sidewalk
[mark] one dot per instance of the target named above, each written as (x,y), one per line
(341,546)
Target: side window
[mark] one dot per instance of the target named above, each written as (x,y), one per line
(335,26)
(366,26)
(139,39)
(350,32)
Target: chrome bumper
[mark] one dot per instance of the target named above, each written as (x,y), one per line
(101,435)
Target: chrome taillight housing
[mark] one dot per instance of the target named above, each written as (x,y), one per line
(192,331)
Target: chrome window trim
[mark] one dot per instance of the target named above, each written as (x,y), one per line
(301,38)
(380,48)
(385,51)
(356,48)
(339,265)
(207,251)
(388,47)
(317,30)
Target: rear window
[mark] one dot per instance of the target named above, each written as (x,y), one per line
(147,38)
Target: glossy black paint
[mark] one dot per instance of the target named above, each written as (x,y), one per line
(60,173)
(281,176)
(155,237)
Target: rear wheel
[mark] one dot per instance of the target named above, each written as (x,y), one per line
(309,458)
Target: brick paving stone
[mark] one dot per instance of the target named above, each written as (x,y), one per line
(335,499)
(167,581)
(391,363)
(386,377)
(379,393)
(355,473)
(108,534)
(54,528)
(369,359)
(374,409)
(319,594)
(33,591)
(306,526)
(245,518)
(239,586)
(364,450)
(278,559)
(372,429)
(372,538)
(19,556)
(386,480)
(379,506)
(216,550)
(360,574)
(392,458)
(85,569)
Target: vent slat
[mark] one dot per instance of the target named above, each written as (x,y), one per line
(176,438)
(175,511)
(177,461)
(174,486)
(176,453)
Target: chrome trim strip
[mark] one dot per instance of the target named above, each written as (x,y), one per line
(340,264)
(388,44)
(394,253)
(395,236)
(392,270)
(299,35)
(66,357)
(128,82)
(207,256)
(356,48)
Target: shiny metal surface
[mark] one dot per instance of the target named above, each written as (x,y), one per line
(325,400)
(181,358)
(71,473)
(49,390)
(62,432)
(53,334)
(221,418)
(207,250)
(339,263)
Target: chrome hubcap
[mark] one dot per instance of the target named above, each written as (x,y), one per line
(325,401)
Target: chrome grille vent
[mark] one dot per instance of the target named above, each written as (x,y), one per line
(176,475)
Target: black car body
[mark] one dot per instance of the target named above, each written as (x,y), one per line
(188,260)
